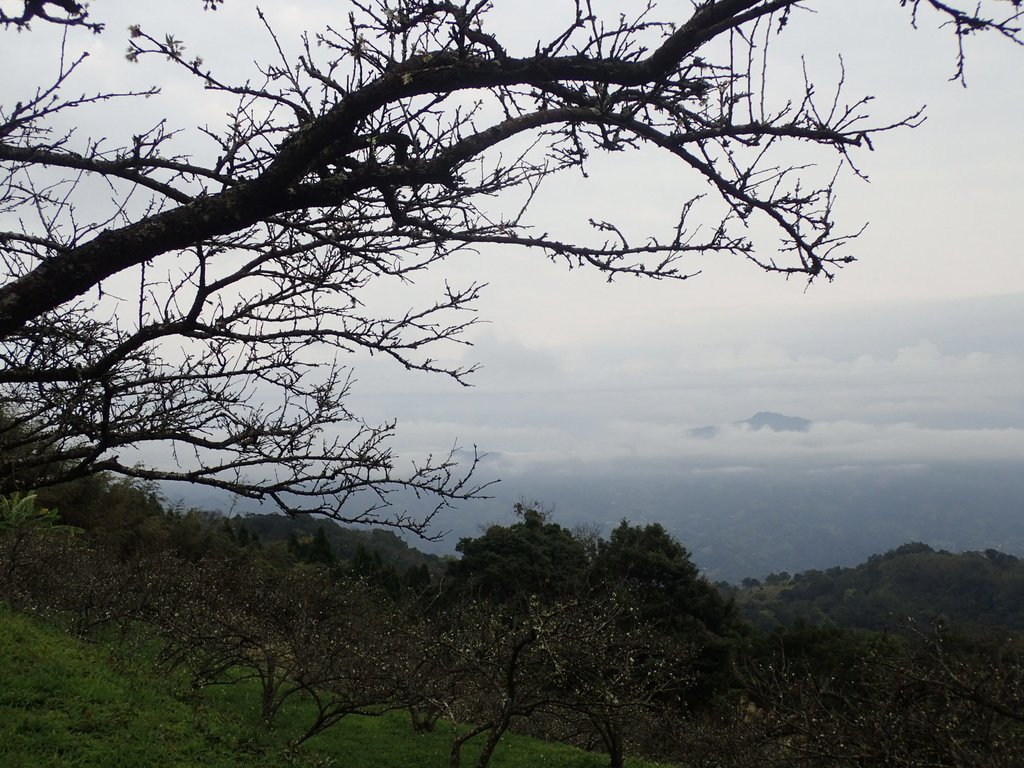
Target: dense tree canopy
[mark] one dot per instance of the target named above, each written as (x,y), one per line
(533,557)
(203,296)
(664,581)
(912,582)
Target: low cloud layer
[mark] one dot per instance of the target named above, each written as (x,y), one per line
(883,384)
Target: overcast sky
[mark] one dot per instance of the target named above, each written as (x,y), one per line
(914,352)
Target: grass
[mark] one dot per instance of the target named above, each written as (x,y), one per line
(64,702)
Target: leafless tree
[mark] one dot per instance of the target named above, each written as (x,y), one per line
(206,301)
(922,699)
(613,680)
(297,634)
(471,669)
(582,670)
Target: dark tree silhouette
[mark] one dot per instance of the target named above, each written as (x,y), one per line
(534,558)
(204,301)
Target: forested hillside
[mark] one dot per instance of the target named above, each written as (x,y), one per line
(615,644)
(913,583)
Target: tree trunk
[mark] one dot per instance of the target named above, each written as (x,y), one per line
(487,751)
(611,736)
(455,756)
(267,707)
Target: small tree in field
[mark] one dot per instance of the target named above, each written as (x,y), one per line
(581,669)
(296,635)
(201,295)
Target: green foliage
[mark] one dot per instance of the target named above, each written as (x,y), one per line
(670,591)
(642,566)
(19,512)
(670,596)
(510,563)
(314,549)
(132,518)
(128,515)
(840,656)
(911,583)
(371,568)
(344,542)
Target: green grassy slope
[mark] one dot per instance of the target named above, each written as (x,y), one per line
(64,702)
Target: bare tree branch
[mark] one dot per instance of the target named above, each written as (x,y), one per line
(204,302)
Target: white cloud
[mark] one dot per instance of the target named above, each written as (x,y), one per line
(917,395)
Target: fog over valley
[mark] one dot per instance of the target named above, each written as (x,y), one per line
(913,431)
(593,396)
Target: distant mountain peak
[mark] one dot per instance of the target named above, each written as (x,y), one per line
(776,422)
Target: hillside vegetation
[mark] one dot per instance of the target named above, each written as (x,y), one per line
(284,649)
(69,703)
(913,583)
